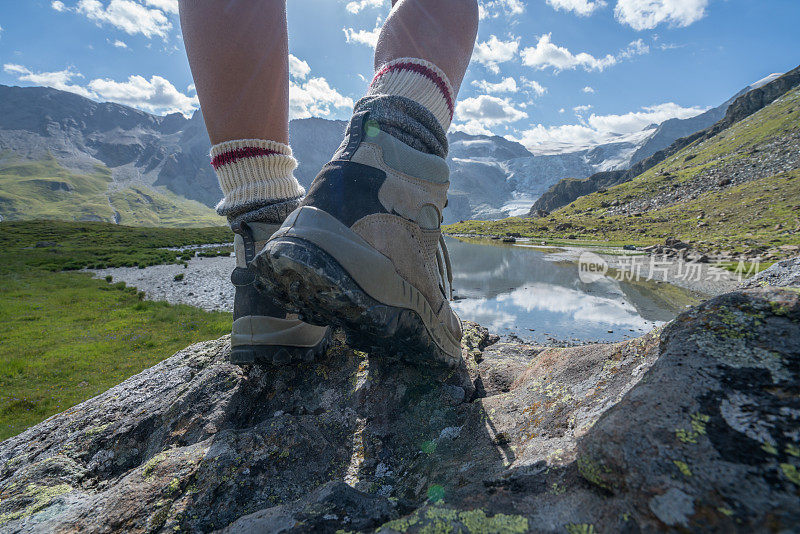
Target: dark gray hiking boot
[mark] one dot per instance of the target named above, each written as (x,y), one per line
(365,251)
(262,331)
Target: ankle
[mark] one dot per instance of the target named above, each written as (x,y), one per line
(257,180)
(419,80)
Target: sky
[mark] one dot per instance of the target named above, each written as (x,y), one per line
(555,75)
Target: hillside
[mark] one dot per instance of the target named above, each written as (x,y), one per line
(44,189)
(733,193)
(683,133)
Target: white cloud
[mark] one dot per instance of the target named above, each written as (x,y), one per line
(546,54)
(637,120)
(647,14)
(168,6)
(491,9)
(635,48)
(562,110)
(507,85)
(599,129)
(359,5)
(61,79)
(588,90)
(312,96)
(483,112)
(495,51)
(156,95)
(579,110)
(533,85)
(58,5)
(298,68)
(120,44)
(127,16)
(191,88)
(472,127)
(315,98)
(580,7)
(365,37)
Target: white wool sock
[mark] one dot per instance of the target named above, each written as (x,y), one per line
(419,80)
(253,173)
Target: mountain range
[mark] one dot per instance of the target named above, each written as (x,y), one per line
(729,193)
(67,157)
(656,149)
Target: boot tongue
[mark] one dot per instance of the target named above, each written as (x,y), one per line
(429,217)
(250,238)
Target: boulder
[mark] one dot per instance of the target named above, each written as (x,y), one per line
(781,274)
(693,427)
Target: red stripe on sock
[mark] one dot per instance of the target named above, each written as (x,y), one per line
(232,156)
(424,71)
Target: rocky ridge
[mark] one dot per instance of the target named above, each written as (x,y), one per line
(692,427)
(566,191)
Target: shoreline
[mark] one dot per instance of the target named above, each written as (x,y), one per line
(205,283)
(705,279)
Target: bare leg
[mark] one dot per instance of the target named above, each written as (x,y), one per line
(440,31)
(238,53)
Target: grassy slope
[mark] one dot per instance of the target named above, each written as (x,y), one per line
(737,218)
(78,245)
(65,337)
(46,190)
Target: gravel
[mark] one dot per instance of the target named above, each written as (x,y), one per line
(206,282)
(782,274)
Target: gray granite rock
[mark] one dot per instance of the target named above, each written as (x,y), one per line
(781,274)
(690,428)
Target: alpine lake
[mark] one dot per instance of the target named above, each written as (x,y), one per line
(536,293)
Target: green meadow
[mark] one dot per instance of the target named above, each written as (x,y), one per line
(65,336)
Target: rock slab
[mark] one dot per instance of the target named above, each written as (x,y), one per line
(695,427)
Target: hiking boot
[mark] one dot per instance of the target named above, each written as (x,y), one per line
(365,251)
(262,331)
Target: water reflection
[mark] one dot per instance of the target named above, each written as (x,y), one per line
(514,289)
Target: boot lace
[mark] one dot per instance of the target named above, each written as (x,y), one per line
(445,269)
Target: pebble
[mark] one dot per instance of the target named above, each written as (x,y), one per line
(206,283)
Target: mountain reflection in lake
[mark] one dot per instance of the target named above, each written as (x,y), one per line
(517,290)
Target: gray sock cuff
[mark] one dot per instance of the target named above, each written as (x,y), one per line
(408,121)
(261,211)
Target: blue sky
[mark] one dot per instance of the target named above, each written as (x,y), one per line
(556,75)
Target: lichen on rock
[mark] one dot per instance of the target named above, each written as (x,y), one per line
(692,427)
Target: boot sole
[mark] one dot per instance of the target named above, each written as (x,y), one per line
(277,354)
(313,284)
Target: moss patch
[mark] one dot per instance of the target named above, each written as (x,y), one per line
(443,520)
(38,498)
